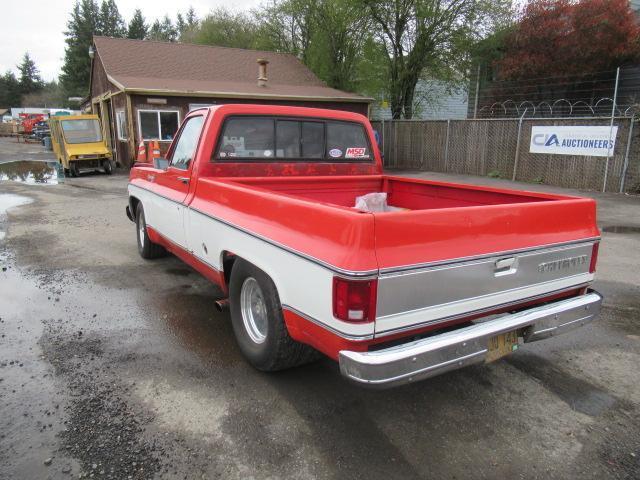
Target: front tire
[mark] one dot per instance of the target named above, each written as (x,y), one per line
(146,248)
(258,323)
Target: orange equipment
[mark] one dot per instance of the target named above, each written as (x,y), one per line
(153,152)
(30,119)
(142,152)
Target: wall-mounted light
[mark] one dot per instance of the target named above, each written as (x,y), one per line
(92,52)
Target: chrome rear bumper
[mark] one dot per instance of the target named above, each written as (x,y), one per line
(432,356)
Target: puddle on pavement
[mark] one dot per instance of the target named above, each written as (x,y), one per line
(621,229)
(30,172)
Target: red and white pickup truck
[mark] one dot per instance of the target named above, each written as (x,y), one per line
(260,200)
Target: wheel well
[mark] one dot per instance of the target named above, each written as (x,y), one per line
(133,206)
(228,259)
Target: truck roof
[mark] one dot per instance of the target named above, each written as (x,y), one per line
(285,110)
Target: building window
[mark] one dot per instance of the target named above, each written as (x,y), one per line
(158,124)
(121,125)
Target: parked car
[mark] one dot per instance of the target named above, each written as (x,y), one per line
(78,143)
(261,201)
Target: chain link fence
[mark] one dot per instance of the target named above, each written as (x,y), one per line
(500,148)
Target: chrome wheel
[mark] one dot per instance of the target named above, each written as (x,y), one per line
(254,310)
(141,231)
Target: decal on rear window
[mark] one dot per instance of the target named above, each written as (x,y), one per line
(335,152)
(356,152)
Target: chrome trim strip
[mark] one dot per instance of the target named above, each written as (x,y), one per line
(472,313)
(452,350)
(327,327)
(427,265)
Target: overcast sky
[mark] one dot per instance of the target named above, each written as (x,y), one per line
(38,26)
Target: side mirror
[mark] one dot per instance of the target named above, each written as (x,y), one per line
(160,163)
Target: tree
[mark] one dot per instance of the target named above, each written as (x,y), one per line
(9,90)
(138,29)
(432,37)
(163,31)
(110,23)
(560,37)
(51,95)
(29,80)
(186,25)
(338,35)
(191,18)
(79,37)
(226,29)
(181,25)
(286,26)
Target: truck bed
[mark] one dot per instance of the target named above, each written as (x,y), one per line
(405,193)
(442,221)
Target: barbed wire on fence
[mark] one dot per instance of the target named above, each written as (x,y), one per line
(587,95)
(561,107)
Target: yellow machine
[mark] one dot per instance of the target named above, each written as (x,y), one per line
(78,143)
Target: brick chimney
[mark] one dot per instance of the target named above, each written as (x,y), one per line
(262,72)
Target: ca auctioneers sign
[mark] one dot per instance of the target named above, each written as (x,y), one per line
(594,141)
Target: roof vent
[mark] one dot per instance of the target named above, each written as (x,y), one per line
(262,72)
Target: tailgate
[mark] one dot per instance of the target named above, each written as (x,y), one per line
(441,264)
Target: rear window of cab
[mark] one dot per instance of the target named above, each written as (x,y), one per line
(264,139)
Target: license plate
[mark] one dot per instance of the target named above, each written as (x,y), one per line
(501,345)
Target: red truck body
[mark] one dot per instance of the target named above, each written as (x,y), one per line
(449,255)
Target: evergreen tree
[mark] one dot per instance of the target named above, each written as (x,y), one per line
(110,22)
(30,80)
(80,30)
(181,25)
(163,31)
(155,32)
(138,29)
(168,29)
(191,18)
(9,90)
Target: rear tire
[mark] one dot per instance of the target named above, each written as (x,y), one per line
(107,166)
(146,248)
(258,323)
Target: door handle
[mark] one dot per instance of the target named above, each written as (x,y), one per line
(184,180)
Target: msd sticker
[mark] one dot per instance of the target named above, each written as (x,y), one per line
(356,152)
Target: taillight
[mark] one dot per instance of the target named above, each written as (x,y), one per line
(354,300)
(594,257)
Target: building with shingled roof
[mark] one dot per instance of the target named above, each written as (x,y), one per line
(142,89)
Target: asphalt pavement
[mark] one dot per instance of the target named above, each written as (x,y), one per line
(116,367)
